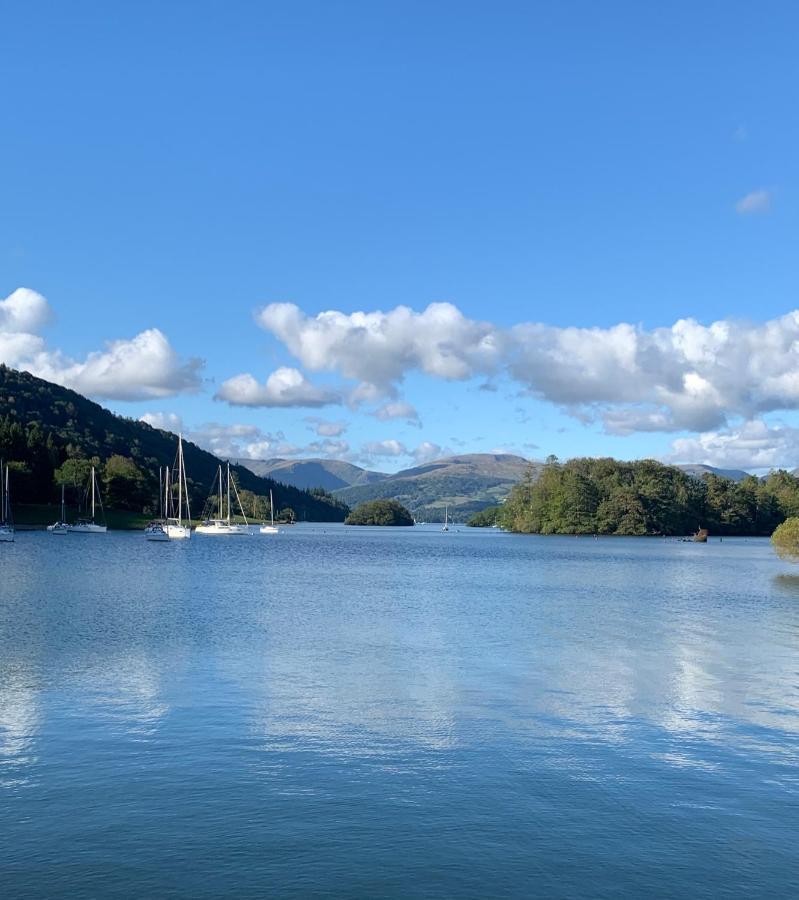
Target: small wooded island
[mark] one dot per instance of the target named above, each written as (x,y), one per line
(379,512)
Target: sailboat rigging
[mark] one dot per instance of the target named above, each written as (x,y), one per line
(223,523)
(86,525)
(270,529)
(446,518)
(60,527)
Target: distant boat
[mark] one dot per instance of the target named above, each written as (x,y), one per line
(60,527)
(270,529)
(446,518)
(85,525)
(156,530)
(224,525)
(176,528)
(6,520)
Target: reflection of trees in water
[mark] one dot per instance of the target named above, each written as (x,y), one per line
(787,583)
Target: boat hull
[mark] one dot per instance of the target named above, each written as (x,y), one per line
(178,532)
(267,529)
(222,529)
(6,535)
(87,528)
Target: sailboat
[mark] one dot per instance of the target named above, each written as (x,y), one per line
(156,530)
(446,518)
(270,529)
(60,527)
(224,524)
(6,522)
(176,528)
(89,526)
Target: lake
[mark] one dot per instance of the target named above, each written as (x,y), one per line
(349,712)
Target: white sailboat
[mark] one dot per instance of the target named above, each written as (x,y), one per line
(156,530)
(223,525)
(270,529)
(446,518)
(60,527)
(6,521)
(176,528)
(85,525)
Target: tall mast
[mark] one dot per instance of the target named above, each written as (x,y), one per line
(271,507)
(228,493)
(92,493)
(160,492)
(63,516)
(180,479)
(221,508)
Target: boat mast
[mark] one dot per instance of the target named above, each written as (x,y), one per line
(92,493)
(63,513)
(228,493)
(2,495)
(180,479)
(160,492)
(271,507)
(221,508)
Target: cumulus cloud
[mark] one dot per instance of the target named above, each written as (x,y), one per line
(754,202)
(165,421)
(398,410)
(752,445)
(143,367)
(378,348)
(284,387)
(688,376)
(326,427)
(389,447)
(392,448)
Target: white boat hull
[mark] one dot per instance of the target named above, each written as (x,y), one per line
(6,535)
(155,534)
(57,528)
(86,528)
(178,532)
(222,529)
(268,529)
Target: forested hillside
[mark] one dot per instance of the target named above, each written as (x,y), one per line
(604,496)
(50,435)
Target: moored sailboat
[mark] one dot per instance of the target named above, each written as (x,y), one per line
(223,524)
(6,520)
(86,525)
(176,528)
(270,529)
(156,530)
(60,527)
(446,518)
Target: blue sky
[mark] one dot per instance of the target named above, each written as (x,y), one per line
(182,166)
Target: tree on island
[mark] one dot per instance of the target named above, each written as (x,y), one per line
(786,540)
(379,512)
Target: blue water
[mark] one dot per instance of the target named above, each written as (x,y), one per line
(382,713)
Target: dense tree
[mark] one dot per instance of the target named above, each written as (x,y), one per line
(786,539)
(379,512)
(604,496)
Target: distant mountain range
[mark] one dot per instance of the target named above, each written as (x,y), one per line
(466,483)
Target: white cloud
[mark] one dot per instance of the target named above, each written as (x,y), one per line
(377,348)
(165,421)
(389,447)
(427,452)
(758,201)
(143,367)
(325,427)
(241,441)
(284,387)
(24,311)
(398,410)
(752,445)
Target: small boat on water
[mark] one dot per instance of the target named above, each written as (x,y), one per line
(6,520)
(223,524)
(176,528)
(446,518)
(156,530)
(270,529)
(88,525)
(60,527)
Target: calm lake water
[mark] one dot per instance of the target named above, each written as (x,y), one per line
(397,713)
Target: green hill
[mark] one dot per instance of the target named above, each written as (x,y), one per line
(43,425)
(466,483)
(330,474)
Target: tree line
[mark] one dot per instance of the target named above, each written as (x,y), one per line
(606,496)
